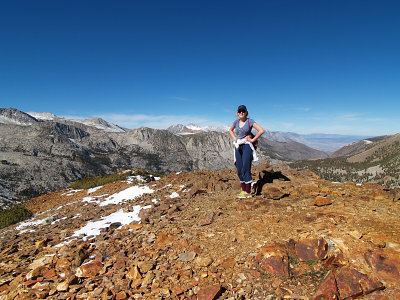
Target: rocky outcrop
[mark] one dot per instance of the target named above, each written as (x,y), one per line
(187,236)
(50,155)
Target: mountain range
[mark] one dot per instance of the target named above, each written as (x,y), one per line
(327,143)
(40,152)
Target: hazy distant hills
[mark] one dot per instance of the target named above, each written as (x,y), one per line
(324,142)
(356,147)
(372,160)
(40,152)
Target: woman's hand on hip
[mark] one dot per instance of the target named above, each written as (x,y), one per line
(249,139)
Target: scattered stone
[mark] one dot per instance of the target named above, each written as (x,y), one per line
(80,257)
(62,286)
(274,259)
(145,266)
(322,201)
(134,273)
(203,261)
(40,262)
(187,256)
(132,227)
(10,250)
(228,263)
(283,292)
(115,225)
(33,274)
(312,249)
(41,244)
(208,218)
(274,193)
(121,296)
(90,269)
(209,292)
(148,279)
(327,289)
(355,234)
(164,240)
(385,264)
(63,264)
(347,283)
(194,192)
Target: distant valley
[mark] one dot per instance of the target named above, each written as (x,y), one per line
(371,160)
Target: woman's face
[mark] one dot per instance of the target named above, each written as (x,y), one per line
(242,113)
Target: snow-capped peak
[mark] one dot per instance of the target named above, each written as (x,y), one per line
(194,127)
(42,115)
(15,117)
(100,124)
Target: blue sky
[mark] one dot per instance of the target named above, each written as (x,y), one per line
(301,66)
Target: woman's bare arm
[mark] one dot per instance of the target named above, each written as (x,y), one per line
(260,132)
(232,133)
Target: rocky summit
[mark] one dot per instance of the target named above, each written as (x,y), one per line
(187,236)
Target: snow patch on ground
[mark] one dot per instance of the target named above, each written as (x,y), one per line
(136,178)
(174,195)
(127,194)
(92,190)
(70,192)
(31,223)
(125,218)
(93,228)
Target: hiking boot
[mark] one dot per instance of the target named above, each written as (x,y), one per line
(241,195)
(244,195)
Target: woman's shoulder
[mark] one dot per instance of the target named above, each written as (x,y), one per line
(251,121)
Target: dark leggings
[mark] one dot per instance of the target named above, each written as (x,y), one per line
(244,156)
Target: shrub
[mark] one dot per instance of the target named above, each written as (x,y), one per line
(92,181)
(13,214)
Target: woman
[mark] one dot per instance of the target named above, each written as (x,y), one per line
(244,149)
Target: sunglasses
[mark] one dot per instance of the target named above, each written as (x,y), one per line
(241,111)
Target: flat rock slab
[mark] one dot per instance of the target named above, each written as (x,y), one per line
(311,249)
(385,263)
(322,201)
(347,283)
(210,292)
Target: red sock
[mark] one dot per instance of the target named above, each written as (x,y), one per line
(248,188)
(243,186)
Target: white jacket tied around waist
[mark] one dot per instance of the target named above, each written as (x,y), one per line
(241,142)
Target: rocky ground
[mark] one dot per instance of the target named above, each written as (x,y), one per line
(301,237)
